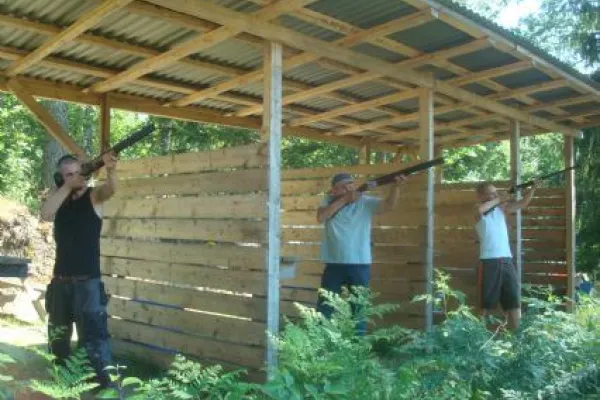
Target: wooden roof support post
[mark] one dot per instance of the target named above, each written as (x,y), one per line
(515,178)
(426,126)
(364,154)
(569,149)
(104,123)
(439,172)
(44,117)
(271,131)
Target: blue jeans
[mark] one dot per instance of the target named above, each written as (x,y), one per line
(335,277)
(83,303)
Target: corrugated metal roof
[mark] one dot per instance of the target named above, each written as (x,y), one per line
(519,79)
(314,74)
(364,14)
(98,56)
(20,39)
(234,52)
(143,30)
(431,36)
(555,94)
(484,59)
(308,29)
(368,90)
(379,52)
(60,12)
(160,35)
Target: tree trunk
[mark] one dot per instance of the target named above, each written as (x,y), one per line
(52,149)
(166,131)
(88,129)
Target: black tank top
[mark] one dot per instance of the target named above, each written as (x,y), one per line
(77,235)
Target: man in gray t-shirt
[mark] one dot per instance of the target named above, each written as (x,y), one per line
(346,243)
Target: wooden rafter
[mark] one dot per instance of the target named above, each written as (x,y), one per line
(85,22)
(254,76)
(194,45)
(44,117)
(73,93)
(289,37)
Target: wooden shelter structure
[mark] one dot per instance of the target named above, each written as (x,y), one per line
(190,253)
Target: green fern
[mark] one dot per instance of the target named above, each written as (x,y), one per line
(190,380)
(69,380)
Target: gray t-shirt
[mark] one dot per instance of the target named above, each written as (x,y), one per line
(347,236)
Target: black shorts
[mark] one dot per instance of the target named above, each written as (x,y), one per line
(498,281)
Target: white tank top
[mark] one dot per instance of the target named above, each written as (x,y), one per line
(493,235)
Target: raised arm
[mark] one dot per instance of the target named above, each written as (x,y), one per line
(108,189)
(515,205)
(482,208)
(328,211)
(391,200)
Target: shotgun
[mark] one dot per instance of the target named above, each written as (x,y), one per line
(527,184)
(513,189)
(88,168)
(391,177)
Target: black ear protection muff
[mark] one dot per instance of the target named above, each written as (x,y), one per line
(58,178)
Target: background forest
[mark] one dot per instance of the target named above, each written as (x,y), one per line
(564,28)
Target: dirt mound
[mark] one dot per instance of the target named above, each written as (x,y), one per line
(23,235)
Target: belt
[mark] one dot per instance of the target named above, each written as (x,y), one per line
(71,279)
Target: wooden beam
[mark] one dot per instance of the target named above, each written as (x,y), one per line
(92,40)
(490,73)
(515,178)
(44,117)
(476,30)
(409,94)
(569,157)
(256,75)
(426,125)
(163,60)
(271,131)
(85,22)
(104,124)
(196,44)
(71,93)
(289,37)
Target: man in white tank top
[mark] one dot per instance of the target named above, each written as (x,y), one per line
(498,280)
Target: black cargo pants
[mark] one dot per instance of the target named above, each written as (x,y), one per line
(83,302)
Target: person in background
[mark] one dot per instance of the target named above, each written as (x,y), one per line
(346,243)
(498,279)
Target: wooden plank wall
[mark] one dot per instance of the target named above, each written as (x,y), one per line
(543,232)
(182,256)
(397,273)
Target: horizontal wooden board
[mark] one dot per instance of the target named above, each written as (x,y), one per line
(403,236)
(206,277)
(328,172)
(221,303)
(320,186)
(555,236)
(387,254)
(388,219)
(409,271)
(162,359)
(232,182)
(233,157)
(545,279)
(230,207)
(227,255)
(227,329)
(249,356)
(190,229)
(549,268)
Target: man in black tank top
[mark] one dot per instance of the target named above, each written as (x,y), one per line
(76,294)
